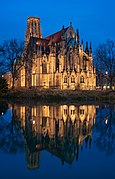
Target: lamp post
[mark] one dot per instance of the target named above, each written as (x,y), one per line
(106,75)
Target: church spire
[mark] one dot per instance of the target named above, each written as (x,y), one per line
(90,50)
(70,24)
(77,36)
(87,49)
(82,45)
(63,30)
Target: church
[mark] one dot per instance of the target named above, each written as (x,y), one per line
(58,61)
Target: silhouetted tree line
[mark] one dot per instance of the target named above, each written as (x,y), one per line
(104,129)
(11,138)
(11,57)
(105,64)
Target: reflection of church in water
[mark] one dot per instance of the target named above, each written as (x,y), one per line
(60,130)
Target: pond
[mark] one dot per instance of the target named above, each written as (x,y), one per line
(57,140)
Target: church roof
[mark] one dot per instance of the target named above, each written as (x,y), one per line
(47,41)
(56,36)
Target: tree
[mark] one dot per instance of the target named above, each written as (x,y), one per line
(104,129)
(11,53)
(11,137)
(3,85)
(105,61)
(2,67)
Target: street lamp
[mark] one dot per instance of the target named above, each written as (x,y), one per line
(106,78)
(106,72)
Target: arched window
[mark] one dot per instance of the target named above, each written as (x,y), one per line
(81,111)
(22,77)
(72,112)
(72,79)
(65,79)
(35,27)
(44,68)
(65,111)
(33,78)
(57,81)
(82,79)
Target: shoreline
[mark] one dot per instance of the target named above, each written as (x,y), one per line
(55,95)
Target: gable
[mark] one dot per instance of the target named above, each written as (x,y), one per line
(70,33)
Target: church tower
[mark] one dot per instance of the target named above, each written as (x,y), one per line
(33,28)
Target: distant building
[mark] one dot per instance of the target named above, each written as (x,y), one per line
(56,61)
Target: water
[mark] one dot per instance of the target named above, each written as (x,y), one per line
(57,141)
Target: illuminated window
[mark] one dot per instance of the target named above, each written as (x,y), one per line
(32,26)
(35,27)
(72,112)
(22,77)
(33,79)
(34,111)
(22,112)
(57,111)
(44,68)
(82,79)
(65,111)
(57,81)
(65,79)
(81,111)
(72,79)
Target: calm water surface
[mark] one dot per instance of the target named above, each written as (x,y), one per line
(57,141)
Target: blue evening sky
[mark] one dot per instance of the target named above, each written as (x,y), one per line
(95,19)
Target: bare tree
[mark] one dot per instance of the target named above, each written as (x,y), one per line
(11,53)
(11,137)
(2,67)
(105,61)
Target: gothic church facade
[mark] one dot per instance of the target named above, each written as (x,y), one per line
(56,61)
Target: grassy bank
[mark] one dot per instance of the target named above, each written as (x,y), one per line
(60,95)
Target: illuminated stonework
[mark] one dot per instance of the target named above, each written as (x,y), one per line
(56,61)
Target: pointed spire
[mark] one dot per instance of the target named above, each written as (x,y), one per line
(77,36)
(70,23)
(87,49)
(75,40)
(90,49)
(82,44)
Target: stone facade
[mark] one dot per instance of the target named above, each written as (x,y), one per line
(57,61)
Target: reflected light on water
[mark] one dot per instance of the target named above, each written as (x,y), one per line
(69,133)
